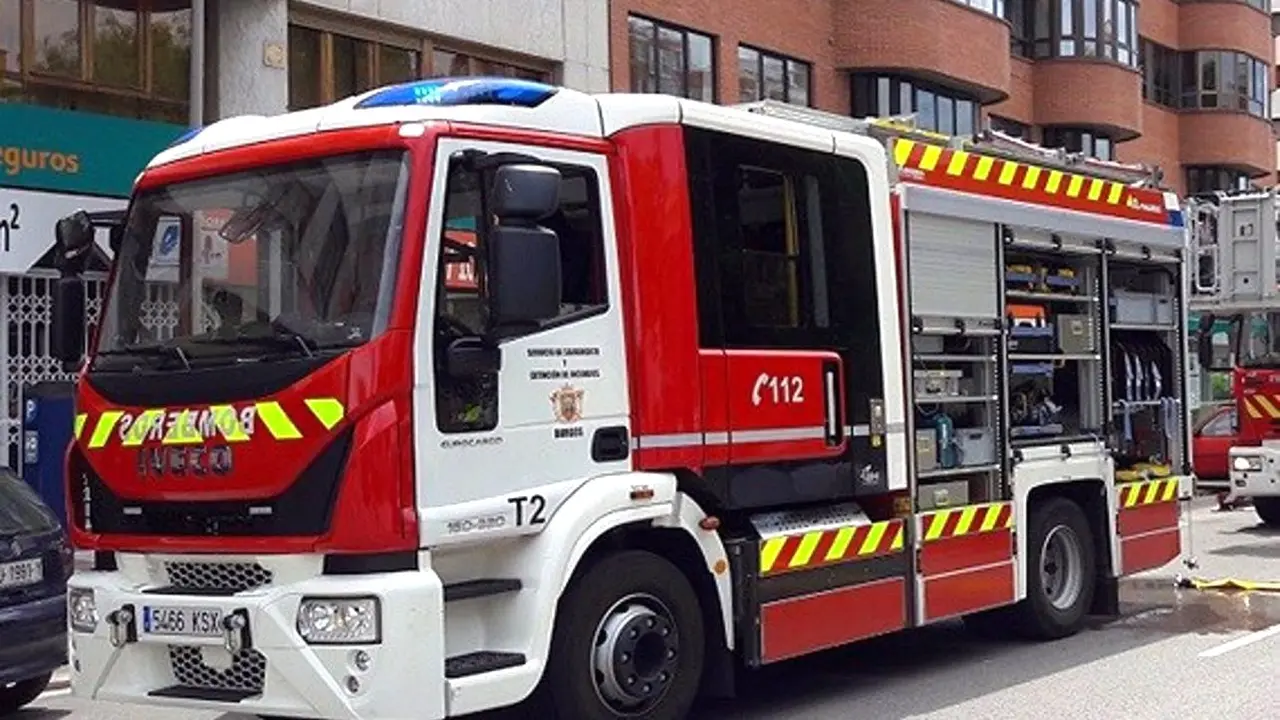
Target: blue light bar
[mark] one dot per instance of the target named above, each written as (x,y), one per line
(186,136)
(449,92)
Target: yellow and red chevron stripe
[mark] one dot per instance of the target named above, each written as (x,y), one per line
(967,520)
(826,547)
(978,173)
(1149,492)
(1262,406)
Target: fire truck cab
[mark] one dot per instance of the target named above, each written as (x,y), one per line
(1237,297)
(466,392)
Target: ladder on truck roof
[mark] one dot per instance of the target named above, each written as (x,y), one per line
(1234,241)
(987,142)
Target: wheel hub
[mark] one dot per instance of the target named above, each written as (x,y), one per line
(1061,567)
(636,653)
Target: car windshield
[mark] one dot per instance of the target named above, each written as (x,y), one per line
(298,258)
(21,511)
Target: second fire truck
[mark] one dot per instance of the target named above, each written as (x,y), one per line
(467,392)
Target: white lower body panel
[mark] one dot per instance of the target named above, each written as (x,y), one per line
(1261,482)
(279,673)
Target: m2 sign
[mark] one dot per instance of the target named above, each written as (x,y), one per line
(27,220)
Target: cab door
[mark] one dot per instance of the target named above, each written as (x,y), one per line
(497,452)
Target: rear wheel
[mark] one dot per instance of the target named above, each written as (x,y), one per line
(628,643)
(1268,509)
(15,696)
(1061,571)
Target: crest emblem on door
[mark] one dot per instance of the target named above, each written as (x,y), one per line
(567,404)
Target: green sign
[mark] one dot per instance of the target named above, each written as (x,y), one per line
(75,152)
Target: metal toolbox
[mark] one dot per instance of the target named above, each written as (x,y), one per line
(937,383)
(1075,333)
(1134,308)
(926,450)
(943,495)
(977,446)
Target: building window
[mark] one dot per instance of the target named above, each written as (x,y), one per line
(1021,26)
(1209,179)
(1013,128)
(82,55)
(992,7)
(936,108)
(1159,65)
(329,60)
(670,60)
(1106,29)
(1077,140)
(1225,79)
(766,76)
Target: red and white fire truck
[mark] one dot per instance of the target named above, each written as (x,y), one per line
(1237,296)
(466,392)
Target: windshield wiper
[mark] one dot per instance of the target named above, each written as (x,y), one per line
(161,350)
(284,339)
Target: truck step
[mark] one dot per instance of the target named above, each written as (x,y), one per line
(469,589)
(481,661)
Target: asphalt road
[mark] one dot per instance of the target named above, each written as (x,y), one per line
(1173,653)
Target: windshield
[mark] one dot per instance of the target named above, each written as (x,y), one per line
(298,258)
(21,511)
(1258,340)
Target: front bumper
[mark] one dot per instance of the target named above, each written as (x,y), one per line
(33,638)
(274,672)
(1255,472)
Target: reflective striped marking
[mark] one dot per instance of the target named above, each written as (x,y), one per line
(102,431)
(966,520)
(277,421)
(328,411)
(1149,492)
(184,431)
(959,159)
(79,425)
(831,545)
(141,427)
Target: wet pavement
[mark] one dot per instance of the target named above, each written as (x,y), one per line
(1172,653)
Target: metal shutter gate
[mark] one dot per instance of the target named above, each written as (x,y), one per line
(953,268)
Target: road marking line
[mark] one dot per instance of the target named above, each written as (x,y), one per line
(1241,641)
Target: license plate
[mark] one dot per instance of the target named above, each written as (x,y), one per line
(183,621)
(21,573)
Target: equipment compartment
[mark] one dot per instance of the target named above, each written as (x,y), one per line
(1145,384)
(1054,364)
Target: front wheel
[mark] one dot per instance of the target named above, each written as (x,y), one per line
(628,643)
(1061,571)
(1268,509)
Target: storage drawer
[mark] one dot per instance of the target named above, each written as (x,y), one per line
(943,495)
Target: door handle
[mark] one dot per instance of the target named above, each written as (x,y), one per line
(610,444)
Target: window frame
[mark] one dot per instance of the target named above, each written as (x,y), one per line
(654,62)
(486,388)
(788,62)
(148,103)
(1197,179)
(1078,140)
(896,88)
(995,8)
(378,35)
(1078,32)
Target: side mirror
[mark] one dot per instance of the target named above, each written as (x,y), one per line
(524,258)
(74,234)
(525,194)
(67,332)
(472,357)
(524,275)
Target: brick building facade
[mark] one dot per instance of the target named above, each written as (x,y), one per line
(1182,84)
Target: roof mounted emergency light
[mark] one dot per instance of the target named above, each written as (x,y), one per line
(445,92)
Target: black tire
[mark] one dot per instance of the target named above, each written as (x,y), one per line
(21,694)
(1268,509)
(1038,617)
(589,618)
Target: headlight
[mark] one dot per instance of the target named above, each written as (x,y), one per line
(1246,462)
(340,621)
(82,610)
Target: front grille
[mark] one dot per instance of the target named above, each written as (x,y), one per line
(247,672)
(217,576)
